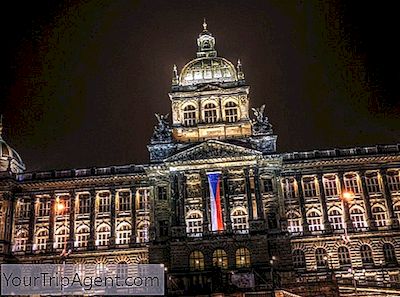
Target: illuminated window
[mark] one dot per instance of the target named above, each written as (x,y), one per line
(330,186)
(309,186)
(239,220)
(351,183)
(294,222)
(189,115)
(393,178)
(299,259)
(372,183)
(314,221)
(366,254)
(194,224)
(24,209)
(357,217)
(220,259)
(20,241)
(103,235)
(389,253)
(231,112)
(123,234)
(289,188)
(142,232)
(210,113)
(143,199)
(242,257)
(344,256)
(321,257)
(84,204)
(396,209)
(62,205)
(336,219)
(196,260)
(82,237)
(44,208)
(61,238)
(41,239)
(104,202)
(379,216)
(124,200)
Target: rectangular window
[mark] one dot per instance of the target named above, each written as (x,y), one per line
(351,183)
(162,193)
(44,208)
(104,202)
(268,188)
(124,200)
(393,178)
(289,188)
(373,183)
(24,209)
(330,186)
(142,199)
(84,204)
(163,225)
(309,186)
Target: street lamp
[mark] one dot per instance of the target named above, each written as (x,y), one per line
(271,262)
(346,197)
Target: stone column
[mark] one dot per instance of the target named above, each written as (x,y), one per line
(248,194)
(72,199)
(52,217)
(181,200)
(204,200)
(92,236)
(302,204)
(133,216)
(394,222)
(32,223)
(367,204)
(227,203)
(325,217)
(346,210)
(257,192)
(112,240)
(174,196)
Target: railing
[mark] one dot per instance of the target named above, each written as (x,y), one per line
(283,293)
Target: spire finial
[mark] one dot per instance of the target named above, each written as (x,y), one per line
(204,25)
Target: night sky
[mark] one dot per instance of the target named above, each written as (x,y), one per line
(81,80)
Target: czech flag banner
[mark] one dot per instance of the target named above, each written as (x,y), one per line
(215,201)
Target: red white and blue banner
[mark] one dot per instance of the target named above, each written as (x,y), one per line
(217,223)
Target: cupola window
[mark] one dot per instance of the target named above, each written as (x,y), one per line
(189,115)
(231,112)
(210,113)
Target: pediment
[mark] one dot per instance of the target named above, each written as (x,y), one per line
(213,149)
(209,87)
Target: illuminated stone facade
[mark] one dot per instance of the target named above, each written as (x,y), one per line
(308,222)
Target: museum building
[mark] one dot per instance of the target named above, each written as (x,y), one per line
(217,204)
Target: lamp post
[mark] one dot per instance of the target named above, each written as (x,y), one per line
(271,262)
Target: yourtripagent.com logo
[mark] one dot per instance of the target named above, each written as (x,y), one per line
(82,279)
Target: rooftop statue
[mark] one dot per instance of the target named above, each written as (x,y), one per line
(162,131)
(260,124)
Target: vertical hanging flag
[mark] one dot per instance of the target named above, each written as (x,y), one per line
(215,201)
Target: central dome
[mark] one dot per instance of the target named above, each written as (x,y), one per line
(207,70)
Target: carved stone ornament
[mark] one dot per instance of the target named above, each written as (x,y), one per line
(260,124)
(162,131)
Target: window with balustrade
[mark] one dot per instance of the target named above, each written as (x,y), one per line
(351,183)
(82,236)
(242,257)
(20,241)
(124,200)
(336,219)
(41,239)
(104,202)
(84,203)
(366,254)
(344,256)
(309,187)
(299,259)
(294,222)
(194,224)
(321,257)
(372,183)
(393,179)
(314,221)
(103,235)
(389,253)
(220,259)
(196,261)
(61,238)
(379,216)
(123,233)
(231,112)
(239,220)
(210,113)
(330,186)
(189,115)
(142,231)
(357,217)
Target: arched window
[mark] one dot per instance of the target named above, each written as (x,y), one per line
(389,253)
(366,254)
(344,256)
(336,220)
(314,221)
(61,238)
(231,112)
(196,260)
(299,259)
(357,217)
(189,115)
(242,257)
(220,259)
(41,239)
(103,235)
(239,220)
(294,222)
(321,257)
(20,241)
(142,234)
(379,216)
(82,236)
(194,224)
(123,233)
(210,113)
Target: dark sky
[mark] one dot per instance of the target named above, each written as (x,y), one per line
(81,80)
